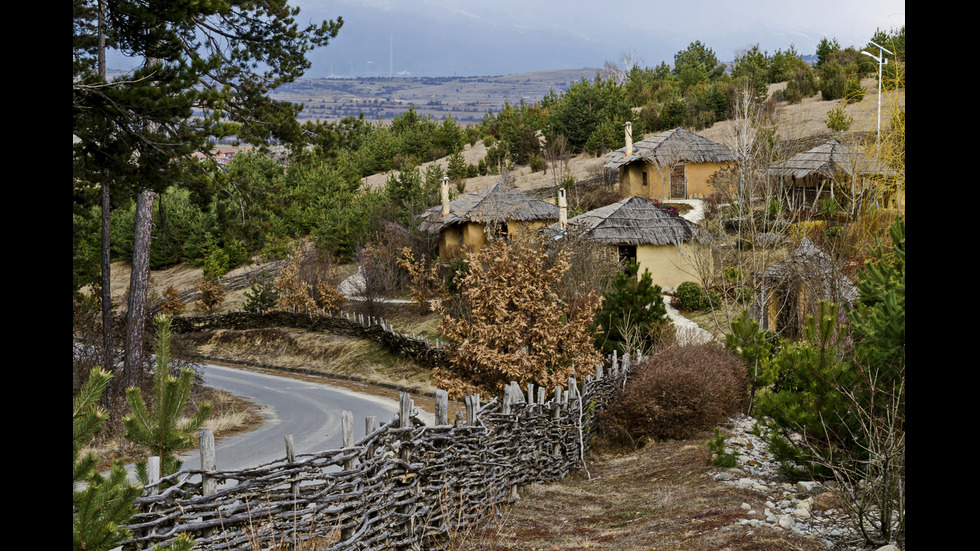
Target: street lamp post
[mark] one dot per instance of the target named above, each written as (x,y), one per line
(882,61)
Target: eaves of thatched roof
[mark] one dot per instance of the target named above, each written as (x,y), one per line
(497,203)
(829,160)
(671,147)
(634,221)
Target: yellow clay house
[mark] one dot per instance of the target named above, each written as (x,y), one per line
(672,248)
(497,211)
(674,164)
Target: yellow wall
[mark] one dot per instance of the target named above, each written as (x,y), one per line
(697,178)
(631,180)
(669,265)
(475,236)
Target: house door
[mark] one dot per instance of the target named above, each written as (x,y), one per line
(678,181)
(627,254)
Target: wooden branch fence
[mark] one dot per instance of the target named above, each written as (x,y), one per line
(404,485)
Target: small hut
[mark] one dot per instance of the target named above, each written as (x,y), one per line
(793,288)
(832,169)
(497,211)
(642,232)
(674,164)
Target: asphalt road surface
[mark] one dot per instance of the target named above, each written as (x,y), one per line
(309,411)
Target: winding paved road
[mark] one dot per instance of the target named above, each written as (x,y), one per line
(309,411)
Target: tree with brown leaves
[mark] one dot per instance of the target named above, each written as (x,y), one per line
(516,327)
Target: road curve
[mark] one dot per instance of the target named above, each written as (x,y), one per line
(307,410)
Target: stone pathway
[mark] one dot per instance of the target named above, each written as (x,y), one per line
(806,507)
(688,332)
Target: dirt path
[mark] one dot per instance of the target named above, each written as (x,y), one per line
(662,497)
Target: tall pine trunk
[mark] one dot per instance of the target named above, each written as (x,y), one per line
(138,283)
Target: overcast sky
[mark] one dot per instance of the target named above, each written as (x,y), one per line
(493,37)
(463,37)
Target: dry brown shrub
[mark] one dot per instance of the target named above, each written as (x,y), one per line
(306,283)
(294,293)
(514,324)
(675,393)
(172,305)
(212,295)
(425,281)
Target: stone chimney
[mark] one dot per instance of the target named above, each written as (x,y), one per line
(562,210)
(445,195)
(629,138)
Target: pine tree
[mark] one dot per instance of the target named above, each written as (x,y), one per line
(632,311)
(878,322)
(105,503)
(161,429)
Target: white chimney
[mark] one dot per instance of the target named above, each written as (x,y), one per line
(562,210)
(629,138)
(445,195)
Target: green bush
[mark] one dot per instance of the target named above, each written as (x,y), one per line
(693,297)
(537,163)
(853,91)
(262,296)
(801,86)
(716,445)
(676,393)
(732,274)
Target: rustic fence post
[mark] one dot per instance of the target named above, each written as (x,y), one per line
(347,429)
(153,474)
(555,416)
(405,422)
(442,407)
(347,432)
(291,457)
(472,407)
(206,438)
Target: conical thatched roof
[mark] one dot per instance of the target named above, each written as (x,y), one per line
(810,264)
(634,221)
(671,147)
(497,203)
(828,160)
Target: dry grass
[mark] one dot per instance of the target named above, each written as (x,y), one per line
(662,497)
(232,415)
(320,352)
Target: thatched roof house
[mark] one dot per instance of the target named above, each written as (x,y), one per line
(494,211)
(674,164)
(793,288)
(829,167)
(653,237)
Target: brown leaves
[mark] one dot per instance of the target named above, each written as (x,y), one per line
(425,283)
(172,305)
(212,294)
(517,326)
(306,292)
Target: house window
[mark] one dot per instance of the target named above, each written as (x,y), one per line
(500,231)
(644,174)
